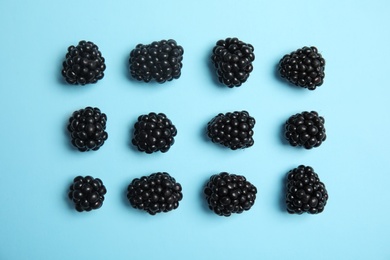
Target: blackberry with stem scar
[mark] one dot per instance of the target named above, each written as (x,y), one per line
(232,60)
(83,64)
(160,61)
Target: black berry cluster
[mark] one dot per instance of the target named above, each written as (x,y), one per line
(305,191)
(303,67)
(160,61)
(158,192)
(233,130)
(87,193)
(232,60)
(154,132)
(83,64)
(87,129)
(305,129)
(229,193)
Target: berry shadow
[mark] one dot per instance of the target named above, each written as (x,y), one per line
(282,138)
(203,202)
(283,193)
(67,137)
(65,196)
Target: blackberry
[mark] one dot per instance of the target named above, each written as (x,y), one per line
(87,193)
(305,191)
(158,192)
(233,130)
(160,61)
(303,67)
(87,129)
(229,193)
(232,60)
(154,132)
(305,129)
(83,64)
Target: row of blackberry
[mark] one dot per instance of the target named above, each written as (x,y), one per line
(155,132)
(161,61)
(225,193)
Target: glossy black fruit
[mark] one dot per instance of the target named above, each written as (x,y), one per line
(303,67)
(233,130)
(158,192)
(232,60)
(305,191)
(229,193)
(160,61)
(87,193)
(83,64)
(87,129)
(305,129)
(154,132)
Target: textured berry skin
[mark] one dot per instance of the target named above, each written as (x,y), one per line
(160,61)
(305,191)
(229,193)
(87,193)
(232,60)
(158,192)
(154,132)
(303,67)
(87,129)
(83,64)
(233,129)
(305,129)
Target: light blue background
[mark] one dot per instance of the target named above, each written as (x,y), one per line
(37,164)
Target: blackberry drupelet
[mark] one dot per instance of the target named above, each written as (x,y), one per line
(87,129)
(154,132)
(232,60)
(158,192)
(87,193)
(160,61)
(233,130)
(305,129)
(305,191)
(303,67)
(229,193)
(83,64)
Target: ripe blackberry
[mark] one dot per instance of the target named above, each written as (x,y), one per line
(83,64)
(87,193)
(87,129)
(305,191)
(303,67)
(305,129)
(229,193)
(154,132)
(158,192)
(233,130)
(160,60)
(232,60)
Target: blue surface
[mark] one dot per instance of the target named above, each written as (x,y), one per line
(37,164)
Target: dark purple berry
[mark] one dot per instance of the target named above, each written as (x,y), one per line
(83,64)
(233,130)
(229,193)
(87,129)
(305,129)
(232,60)
(156,193)
(87,193)
(154,132)
(305,192)
(160,61)
(304,67)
